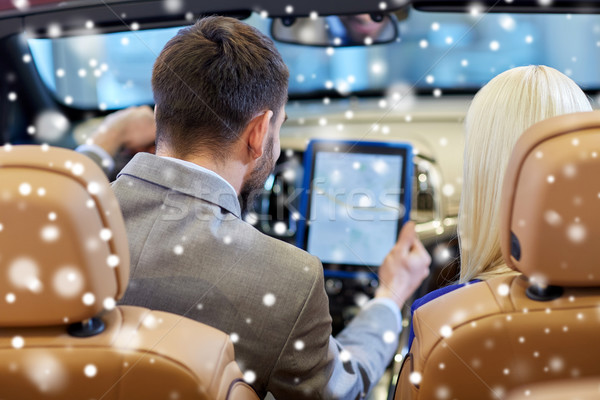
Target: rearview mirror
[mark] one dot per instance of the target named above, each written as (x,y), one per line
(336,31)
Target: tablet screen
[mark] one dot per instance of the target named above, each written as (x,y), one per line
(355,204)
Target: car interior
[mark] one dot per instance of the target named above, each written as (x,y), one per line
(66,65)
(54,341)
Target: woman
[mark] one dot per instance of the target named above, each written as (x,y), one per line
(500,112)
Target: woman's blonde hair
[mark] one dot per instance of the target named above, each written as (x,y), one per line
(500,112)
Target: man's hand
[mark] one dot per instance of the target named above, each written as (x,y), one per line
(404,268)
(132,128)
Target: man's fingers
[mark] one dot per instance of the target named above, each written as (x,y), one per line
(407,237)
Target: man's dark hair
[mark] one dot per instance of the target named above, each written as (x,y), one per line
(210,80)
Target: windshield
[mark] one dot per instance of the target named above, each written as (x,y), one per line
(435,51)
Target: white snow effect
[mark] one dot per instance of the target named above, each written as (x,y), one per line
(227,239)
(23,273)
(503,290)
(112,260)
(545,2)
(25,189)
(46,372)
(446,331)
(322,121)
(528,39)
(68,100)
(135,26)
(173,6)
(437,92)
(93,188)
(150,322)
(449,40)
(475,10)
(50,233)
(383,6)
(435,26)
(125,41)
(90,203)
(269,299)
(10,298)
(289,9)
(20,4)
(429,79)
(1,227)
(41,192)
(550,178)
(415,378)
(280,228)
(377,67)
(68,282)
(507,23)
(368,41)
(88,299)
(12,96)
(178,250)
(50,126)
(556,364)
(17,342)
(570,170)
(299,345)
(105,234)
(249,376)
(251,218)
(300,78)
(448,190)
(576,232)
(234,337)
(330,51)
(109,303)
(345,356)
(389,337)
(423,44)
(90,370)
(89,24)
(313,15)
(54,30)
(380,167)
(494,45)
(442,393)
(60,73)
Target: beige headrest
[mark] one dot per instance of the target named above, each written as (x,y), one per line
(550,216)
(63,248)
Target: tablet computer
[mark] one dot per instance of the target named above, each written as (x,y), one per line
(356,197)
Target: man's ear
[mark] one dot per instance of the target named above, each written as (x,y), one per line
(256,133)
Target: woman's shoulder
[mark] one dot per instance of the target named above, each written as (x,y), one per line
(438,293)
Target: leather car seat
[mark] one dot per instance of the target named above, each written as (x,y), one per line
(64,262)
(482,340)
(570,389)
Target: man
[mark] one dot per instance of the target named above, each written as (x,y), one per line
(220,88)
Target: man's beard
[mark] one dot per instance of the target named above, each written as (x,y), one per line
(254,185)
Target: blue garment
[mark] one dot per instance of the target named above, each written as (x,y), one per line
(427,298)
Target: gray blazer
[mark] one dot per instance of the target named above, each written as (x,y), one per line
(191,254)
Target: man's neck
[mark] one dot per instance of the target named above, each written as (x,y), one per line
(231,171)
